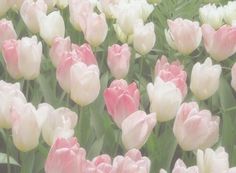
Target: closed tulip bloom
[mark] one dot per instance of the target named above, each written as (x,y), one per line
(205,79)
(221,43)
(5,5)
(183,35)
(51,26)
(191,124)
(7,31)
(56,123)
(172,72)
(30,10)
(62,3)
(96,29)
(9,94)
(165,99)
(136,129)
(144,38)
(210,161)
(133,161)
(212,15)
(233,75)
(108,7)
(121,100)
(118,59)
(79,10)
(65,156)
(59,46)
(11,58)
(180,167)
(30,55)
(25,127)
(229,12)
(85,83)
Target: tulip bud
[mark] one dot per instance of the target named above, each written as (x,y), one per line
(121,36)
(205,79)
(62,3)
(11,58)
(136,129)
(5,5)
(9,94)
(191,124)
(7,31)
(30,11)
(96,29)
(144,38)
(121,100)
(30,55)
(183,35)
(65,156)
(181,167)
(84,83)
(172,72)
(51,26)
(132,162)
(57,123)
(25,127)
(118,59)
(108,7)
(220,44)
(212,161)
(210,14)
(59,47)
(230,12)
(165,99)
(233,74)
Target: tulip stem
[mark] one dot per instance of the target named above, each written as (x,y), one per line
(5,138)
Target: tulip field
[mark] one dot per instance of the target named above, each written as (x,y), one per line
(117,86)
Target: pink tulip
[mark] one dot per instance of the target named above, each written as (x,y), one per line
(7,31)
(132,162)
(221,43)
(180,167)
(136,129)
(194,125)
(65,156)
(172,72)
(11,58)
(183,35)
(100,164)
(121,100)
(118,59)
(59,46)
(233,74)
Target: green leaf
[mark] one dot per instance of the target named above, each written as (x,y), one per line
(3,160)
(95,148)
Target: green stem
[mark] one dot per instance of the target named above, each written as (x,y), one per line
(5,138)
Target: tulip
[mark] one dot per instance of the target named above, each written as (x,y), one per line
(118,59)
(11,58)
(85,83)
(5,5)
(59,47)
(50,4)
(131,162)
(205,79)
(183,35)
(7,31)
(65,156)
(136,129)
(191,124)
(51,26)
(96,29)
(229,12)
(212,161)
(232,170)
(25,127)
(17,4)
(79,10)
(210,14)
(165,99)
(180,167)
(57,123)
(108,7)
(9,94)
(62,3)
(220,44)
(30,55)
(121,100)
(30,11)
(172,72)
(233,74)
(121,36)
(144,38)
